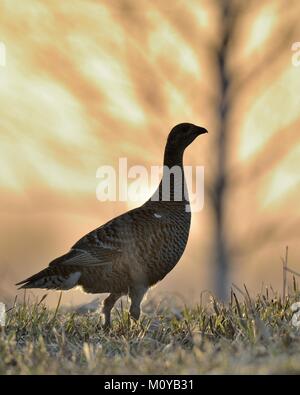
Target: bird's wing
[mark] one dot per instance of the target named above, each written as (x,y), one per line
(99,247)
(105,244)
(80,257)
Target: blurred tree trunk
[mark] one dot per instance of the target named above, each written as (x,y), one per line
(222,258)
(230,87)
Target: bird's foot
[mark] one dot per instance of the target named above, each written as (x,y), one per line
(135,313)
(104,327)
(104,323)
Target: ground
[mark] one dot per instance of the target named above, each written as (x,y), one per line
(247,335)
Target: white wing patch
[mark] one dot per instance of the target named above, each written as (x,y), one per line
(72,280)
(156,215)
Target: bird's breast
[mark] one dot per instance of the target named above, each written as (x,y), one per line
(165,245)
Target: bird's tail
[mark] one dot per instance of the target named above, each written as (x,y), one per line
(55,277)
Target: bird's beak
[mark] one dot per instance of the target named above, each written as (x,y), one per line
(199,130)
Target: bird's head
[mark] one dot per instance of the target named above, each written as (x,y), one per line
(183,134)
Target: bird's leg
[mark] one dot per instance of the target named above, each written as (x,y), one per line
(136,295)
(108,304)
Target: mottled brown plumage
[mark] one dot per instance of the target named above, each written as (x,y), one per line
(134,251)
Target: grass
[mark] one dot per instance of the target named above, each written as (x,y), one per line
(247,335)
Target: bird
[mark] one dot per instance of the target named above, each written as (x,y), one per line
(135,250)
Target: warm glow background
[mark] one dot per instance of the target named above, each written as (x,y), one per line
(87,82)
